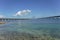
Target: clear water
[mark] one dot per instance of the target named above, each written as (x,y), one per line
(30,30)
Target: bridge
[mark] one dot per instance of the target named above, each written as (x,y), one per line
(16,19)
(12,19)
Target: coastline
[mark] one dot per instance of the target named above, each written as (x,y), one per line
(2,22)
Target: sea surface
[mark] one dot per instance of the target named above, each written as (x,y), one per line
(34,29)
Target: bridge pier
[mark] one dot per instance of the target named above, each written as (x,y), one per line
(2,20)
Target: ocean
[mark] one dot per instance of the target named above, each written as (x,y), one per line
(34,29)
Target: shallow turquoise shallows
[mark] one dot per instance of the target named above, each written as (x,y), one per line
(44,28)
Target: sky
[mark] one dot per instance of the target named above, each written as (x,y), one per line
(29,8)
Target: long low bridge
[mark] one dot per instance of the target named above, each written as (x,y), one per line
(14,19)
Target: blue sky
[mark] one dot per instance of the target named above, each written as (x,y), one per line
(39,8)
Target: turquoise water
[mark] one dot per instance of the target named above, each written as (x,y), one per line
(34,28)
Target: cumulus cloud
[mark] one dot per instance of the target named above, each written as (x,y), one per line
(2,16)
(23,12)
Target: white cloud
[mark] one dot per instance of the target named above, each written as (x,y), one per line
(2,16)
(23,12)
